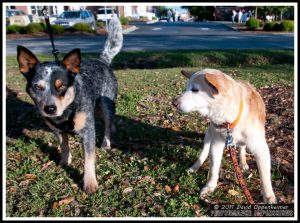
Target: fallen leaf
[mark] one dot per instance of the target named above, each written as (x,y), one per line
(30,176)
(127,190)
(46,165)
(233,192)
(167,188)
(176,128)
(157,194)
(185,204)
(55,205)
(176,188)
(66,200)
(146,168)
(12,189)
(24,183)
(195,207)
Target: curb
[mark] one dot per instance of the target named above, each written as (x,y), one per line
(230,27)
(151,22)
(129,30)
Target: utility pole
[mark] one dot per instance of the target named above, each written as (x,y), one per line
(105,18)
(256,12)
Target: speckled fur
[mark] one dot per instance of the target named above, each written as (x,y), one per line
(87,85)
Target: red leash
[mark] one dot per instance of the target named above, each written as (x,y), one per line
(239,174)
(232,149)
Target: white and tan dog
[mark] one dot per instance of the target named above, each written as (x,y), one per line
(228,103)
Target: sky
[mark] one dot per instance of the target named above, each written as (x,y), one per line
(177,8)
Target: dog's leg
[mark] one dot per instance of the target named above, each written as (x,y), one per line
(108,110)
(243,162)
(261,153)
(204,153)
(90,184)
(215,157)
(66,157)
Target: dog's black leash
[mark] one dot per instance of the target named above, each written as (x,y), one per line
(46,16)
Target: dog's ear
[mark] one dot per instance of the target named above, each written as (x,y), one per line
(187,74)
(26,59)
(72,61)
(217,81)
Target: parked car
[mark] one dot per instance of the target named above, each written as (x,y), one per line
(13,12)
(16,16)
(101,16)
(69,18)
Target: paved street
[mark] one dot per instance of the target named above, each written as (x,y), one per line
(165,36)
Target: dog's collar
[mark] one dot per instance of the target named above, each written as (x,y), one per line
(231,125)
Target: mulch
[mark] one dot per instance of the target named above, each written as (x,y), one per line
(280,127)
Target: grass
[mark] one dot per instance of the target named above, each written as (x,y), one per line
(153,147)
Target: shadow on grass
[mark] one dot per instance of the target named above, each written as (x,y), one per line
(132,136)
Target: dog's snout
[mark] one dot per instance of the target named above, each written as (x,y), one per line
(50,109)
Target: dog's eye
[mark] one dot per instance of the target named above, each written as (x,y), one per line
(195,90)
(62,87)
(59,85)
(39,87)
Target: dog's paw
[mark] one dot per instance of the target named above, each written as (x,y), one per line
(270,200)
(244,167)
(206,191)
(90,185)
(66,159)
(106,145)
(192,170)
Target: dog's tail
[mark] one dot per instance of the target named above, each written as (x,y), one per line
(114,40)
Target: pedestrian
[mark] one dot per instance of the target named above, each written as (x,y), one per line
(244,16)
(233,15)
(240,16)
(169,15)
(250,13)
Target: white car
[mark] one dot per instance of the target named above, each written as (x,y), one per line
(69,18)
(102,16)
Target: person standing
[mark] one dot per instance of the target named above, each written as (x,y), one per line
(233,15)
(250,13)
(240,16)
(169,15)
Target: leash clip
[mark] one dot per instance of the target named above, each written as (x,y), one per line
(229,139)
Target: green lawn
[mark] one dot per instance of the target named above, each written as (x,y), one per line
(153,147)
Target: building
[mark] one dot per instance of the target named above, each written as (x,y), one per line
(128,10)
(53,10)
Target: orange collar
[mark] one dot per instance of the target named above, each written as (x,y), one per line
(236,121)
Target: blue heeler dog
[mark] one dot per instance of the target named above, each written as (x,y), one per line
(69,92)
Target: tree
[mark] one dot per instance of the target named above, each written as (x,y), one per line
(161,11)
(201,12)
(278,11)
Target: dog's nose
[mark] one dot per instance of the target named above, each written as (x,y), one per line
(50,109)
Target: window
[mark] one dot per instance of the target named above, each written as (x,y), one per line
(70,14)
(36,10)
(84,14)
(102,11)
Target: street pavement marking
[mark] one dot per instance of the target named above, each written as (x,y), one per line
(156,29)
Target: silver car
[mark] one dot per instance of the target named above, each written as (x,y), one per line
(69,18)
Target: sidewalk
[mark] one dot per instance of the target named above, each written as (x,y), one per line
(241,27)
